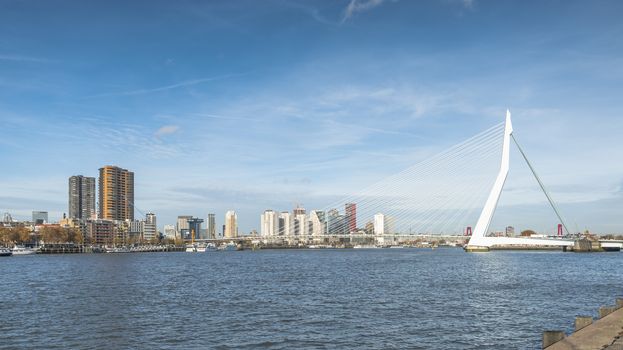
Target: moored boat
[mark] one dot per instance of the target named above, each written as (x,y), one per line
(228,247)
(118,250)
(5,252)
(365,246)
(611,246)
(21,250)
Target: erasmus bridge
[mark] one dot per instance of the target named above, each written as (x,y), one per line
(449,192)
(479,240)
(444,195)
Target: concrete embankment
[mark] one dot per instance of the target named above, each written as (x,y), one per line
(516,247)
(79,248)
(579,246)
(604,333)
(585,246)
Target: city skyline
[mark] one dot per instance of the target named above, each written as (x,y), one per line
(347,93)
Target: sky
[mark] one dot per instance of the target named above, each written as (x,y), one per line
(250,105)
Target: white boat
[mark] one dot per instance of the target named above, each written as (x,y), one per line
(228,246)
(200,248)
(118,250)
(21,250)
(320,246)
(611,246)
(5,252)
(365,246)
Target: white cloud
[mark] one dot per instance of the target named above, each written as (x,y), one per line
(356,6)
(167,130)
(469,4)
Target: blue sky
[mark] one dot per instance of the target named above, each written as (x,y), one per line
(250,105)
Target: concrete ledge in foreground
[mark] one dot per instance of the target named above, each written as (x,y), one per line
(604,333)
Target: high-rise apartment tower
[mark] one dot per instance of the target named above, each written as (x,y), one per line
(81,197)
(116,193)
(351,217)
(211,226)
(231,224)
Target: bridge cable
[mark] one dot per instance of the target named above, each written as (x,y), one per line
(549,198)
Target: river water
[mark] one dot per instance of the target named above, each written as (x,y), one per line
(286,299)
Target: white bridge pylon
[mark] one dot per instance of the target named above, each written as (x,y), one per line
(479,240)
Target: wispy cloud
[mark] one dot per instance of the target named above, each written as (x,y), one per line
(324,121)
(224,117)
(355,6)
(168,87)
(101,138)
(313,12)
(129,139)
(167,130)
(23,58)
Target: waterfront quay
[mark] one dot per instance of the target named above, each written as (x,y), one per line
(573,244)
(71,248)
(327,241)
(242,243)
(315,242)
(606,332)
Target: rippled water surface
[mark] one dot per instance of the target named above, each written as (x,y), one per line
(285,299)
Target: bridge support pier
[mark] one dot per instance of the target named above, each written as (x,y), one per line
(476,249)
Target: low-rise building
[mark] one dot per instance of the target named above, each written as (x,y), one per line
(100,232)
(150,228)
